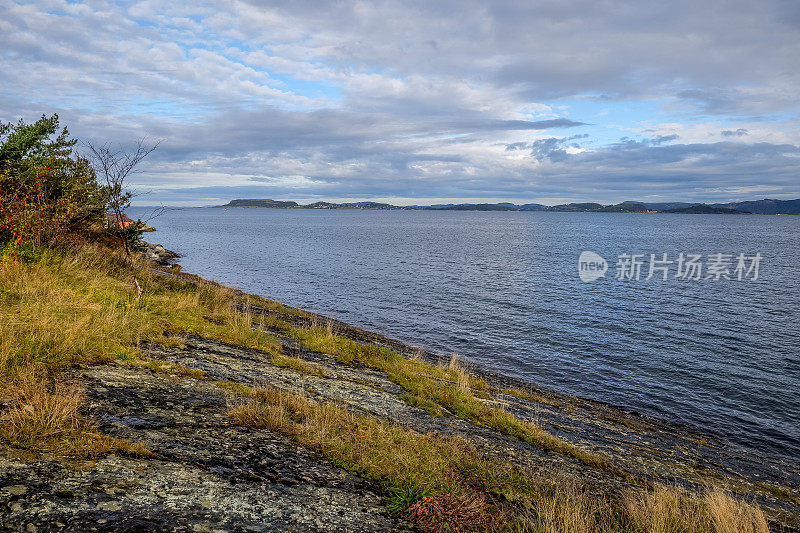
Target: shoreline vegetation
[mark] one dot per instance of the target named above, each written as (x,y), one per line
(136,397)
(764,207)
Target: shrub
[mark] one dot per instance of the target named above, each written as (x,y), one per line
(46,192)
(49,194)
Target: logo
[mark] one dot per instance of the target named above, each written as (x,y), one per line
(687,267)
(591,266)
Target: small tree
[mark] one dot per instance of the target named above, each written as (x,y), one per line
(47,194)
(23,144)
(113,166)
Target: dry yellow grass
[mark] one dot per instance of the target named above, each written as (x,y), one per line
(462,381)
(46,415)
(434,388)
(671,509)
(530,396)
(295,363)
(412,466)
(409,465)
(168,367)
(81,308)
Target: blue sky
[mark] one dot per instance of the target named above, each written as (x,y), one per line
(422,102)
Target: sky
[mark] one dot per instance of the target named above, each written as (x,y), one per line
(420,102)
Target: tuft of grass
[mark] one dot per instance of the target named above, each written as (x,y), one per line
(462,381)
(400,498)
(530,396)
(671,509)
(420,402)
(45,415)
(782,493)
(295,363)
(168,367)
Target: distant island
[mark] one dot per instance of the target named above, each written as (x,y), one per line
(758,207)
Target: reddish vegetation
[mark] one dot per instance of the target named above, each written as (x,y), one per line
(452,513)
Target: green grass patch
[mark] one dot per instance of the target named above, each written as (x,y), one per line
(437,388)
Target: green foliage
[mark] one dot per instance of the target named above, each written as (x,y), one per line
(49,195)
(46,193)
(400,498)
(129,231)
(22,144)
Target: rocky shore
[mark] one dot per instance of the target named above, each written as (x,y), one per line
(208,474)
(159,255)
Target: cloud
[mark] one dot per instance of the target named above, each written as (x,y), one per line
(411,99)
(661,139)
(740,132)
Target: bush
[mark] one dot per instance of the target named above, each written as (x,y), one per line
(49,194)
(46,193)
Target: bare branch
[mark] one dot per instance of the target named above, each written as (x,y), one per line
(114,165)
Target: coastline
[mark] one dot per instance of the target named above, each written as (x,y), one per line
(177,402)
(566,410)
(595,424)
(765,206)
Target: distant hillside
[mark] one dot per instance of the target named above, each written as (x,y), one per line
(576,207)
(368,205)
(433,206)
(260,203)
(664,206)
(350,205)
(533,207)
(766,207)
(480,207)
(625,207)
(706,210)
(762,207)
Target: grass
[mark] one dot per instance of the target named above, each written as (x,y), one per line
(530,396)
(59,311)
(438,388)
(91,317)
(168,367)
(779,492)
(671,509)
(445,484)
(407,464)
(46,415)
(295,363)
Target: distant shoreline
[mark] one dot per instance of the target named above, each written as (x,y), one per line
(759,207)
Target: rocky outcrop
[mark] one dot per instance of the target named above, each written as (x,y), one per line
(159,255)
(208,474)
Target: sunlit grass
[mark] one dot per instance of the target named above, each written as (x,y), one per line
(437,388)
(446,484)
(44,414)
(59,311)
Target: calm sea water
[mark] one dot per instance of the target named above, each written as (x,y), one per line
(502,289)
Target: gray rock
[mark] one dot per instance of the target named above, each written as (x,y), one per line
(16,490)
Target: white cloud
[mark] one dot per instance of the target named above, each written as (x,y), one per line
(355,98)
